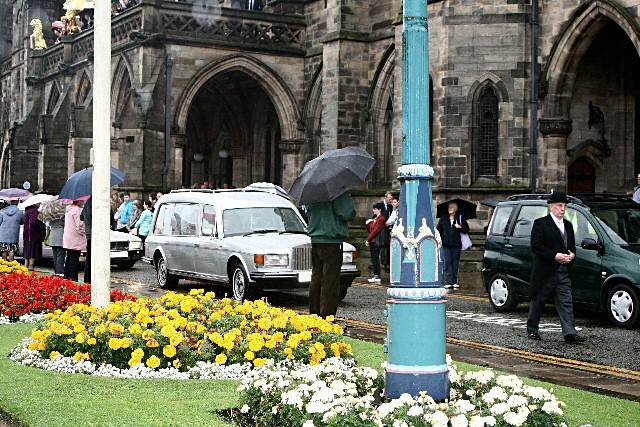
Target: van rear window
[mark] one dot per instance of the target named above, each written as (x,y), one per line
(500,221)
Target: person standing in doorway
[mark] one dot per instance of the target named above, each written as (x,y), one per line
(85,217)
(33,235)
(636,191)
(376,240)
(328,228)
(450,228)
(553,245)
(73,240)
(10,220)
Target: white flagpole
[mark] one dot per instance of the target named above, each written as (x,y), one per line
(100,232)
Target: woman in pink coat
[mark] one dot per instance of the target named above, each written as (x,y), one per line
(73,240)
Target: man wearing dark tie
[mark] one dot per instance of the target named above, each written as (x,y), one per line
(554,248)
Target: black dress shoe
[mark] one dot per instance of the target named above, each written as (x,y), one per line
(534,336)
(574,339)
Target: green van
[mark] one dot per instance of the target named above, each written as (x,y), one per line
(606,273)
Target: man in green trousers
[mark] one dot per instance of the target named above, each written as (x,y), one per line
(328,228)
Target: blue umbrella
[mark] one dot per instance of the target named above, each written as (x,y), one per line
(79,184)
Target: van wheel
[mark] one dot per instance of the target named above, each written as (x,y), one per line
(622,306)
(501,293)
(165,279)
(240,287)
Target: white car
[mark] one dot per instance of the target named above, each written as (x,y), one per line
(126,249)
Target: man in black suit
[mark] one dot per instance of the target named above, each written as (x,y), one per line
(554,248)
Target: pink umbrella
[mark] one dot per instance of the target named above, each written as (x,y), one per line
(11,194)
(57,24)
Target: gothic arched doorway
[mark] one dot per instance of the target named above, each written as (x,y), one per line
(582,177)
(232,134)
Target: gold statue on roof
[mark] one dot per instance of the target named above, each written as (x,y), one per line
(70,20)
(37,40)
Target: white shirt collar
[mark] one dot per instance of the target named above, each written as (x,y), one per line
(559,223)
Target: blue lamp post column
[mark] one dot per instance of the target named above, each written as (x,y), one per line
(416,299)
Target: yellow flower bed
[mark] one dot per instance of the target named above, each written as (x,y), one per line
(8,267)
(179,330)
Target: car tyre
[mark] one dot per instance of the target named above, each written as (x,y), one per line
(240,286)
(344,287)
(165,279)
(623,307)
(501,293)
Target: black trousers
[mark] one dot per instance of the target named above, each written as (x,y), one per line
(58,259)
(451,259)
(375,258)
(324,291)
(87,263)
(71,264)
(560,288)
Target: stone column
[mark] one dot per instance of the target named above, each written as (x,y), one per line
(290,150)
(555,132)
(345,73)
(175,174)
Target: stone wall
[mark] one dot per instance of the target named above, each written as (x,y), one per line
(330,77)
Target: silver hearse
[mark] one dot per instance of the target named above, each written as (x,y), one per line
(248,238)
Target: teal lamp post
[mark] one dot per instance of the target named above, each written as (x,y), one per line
(416,300)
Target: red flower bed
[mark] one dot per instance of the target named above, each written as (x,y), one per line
(30,294)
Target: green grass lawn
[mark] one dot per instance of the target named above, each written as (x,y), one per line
(41,398)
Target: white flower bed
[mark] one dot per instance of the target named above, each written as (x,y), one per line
(336,394)
(205,371)
(25,318)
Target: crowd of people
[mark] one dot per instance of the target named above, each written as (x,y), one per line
(66,228)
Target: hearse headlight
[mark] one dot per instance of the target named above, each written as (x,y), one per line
(271,260)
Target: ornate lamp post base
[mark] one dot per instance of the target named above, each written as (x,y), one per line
(416,302)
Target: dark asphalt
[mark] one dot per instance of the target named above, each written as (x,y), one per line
(469,318)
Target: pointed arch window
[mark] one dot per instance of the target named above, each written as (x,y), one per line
(84,89)
(387,148)
(486,143)
(54,97)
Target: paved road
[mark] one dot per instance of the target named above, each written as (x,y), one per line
(468,318)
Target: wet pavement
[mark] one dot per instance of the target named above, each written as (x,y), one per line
(477,334)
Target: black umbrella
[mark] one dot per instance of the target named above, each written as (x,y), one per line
(332,174)
(465,208)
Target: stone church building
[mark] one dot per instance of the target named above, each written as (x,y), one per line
(229,91)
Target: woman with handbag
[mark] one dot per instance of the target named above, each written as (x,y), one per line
(452,227)
(376,240)
(135,216)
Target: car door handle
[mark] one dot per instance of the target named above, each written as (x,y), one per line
(508,246)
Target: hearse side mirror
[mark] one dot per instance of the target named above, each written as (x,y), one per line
(591,245)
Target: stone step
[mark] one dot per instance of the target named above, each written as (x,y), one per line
(472,255)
